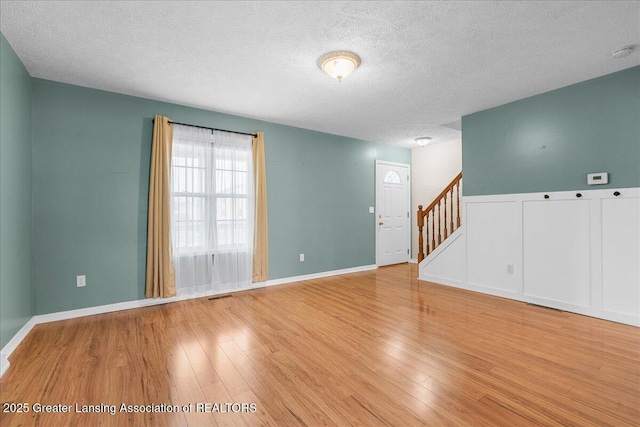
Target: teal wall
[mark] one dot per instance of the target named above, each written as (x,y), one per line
(16,293)
(91,152)
(550,142)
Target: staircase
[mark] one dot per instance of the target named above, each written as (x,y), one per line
(440,219)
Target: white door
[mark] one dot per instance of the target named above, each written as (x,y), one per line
(392,213)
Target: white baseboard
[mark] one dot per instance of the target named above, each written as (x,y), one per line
(4,364)
(147,302)
(413,261)
(18,337)
(100,309)
(13,344)
(317,275)
(126,305)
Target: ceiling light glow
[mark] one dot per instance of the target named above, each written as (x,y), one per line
(339,64)
(423,140)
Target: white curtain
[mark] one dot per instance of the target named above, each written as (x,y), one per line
(212,210)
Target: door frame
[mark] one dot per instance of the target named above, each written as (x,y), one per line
(375,222)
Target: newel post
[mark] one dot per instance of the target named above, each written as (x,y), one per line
(420,242)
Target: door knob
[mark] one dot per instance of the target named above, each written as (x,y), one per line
(380,223)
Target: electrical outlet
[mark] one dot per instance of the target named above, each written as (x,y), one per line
(509,268)
(81,281)
(371,210)
(301,257)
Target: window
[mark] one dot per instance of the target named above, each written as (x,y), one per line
(231,186)
(210,192)
(212,209)
(189,197)
(392,177)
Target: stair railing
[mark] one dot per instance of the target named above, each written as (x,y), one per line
(441,217)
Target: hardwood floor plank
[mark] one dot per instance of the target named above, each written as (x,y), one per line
(261,416)
(373,348)
(231,378)
(200,363)
(223,415)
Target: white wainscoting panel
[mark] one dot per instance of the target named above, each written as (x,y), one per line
(556,250)
(621,255)
(491,244)
(574,251)
(446,264)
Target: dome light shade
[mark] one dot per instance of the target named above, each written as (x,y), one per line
(339,64)
(423,140)
(624,52)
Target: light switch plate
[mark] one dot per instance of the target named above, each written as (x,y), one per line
(371,210)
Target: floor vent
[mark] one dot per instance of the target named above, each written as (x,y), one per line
(542,306)
(220,297)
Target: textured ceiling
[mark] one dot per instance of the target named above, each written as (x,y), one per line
(424,64)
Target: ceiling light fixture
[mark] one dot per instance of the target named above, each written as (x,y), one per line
(339,64)
(423,140)
(624,52)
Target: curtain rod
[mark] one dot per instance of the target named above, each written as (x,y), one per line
(211,129)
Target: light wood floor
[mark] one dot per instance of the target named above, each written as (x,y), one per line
(372,348)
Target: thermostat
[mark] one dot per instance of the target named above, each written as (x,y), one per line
(598,178)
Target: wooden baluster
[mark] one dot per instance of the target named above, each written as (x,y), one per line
(452,229)
(427,234)
(428,244)
(420,242)
(446,228)
(433,228)
(459,200)
(442,221)
(439,224)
